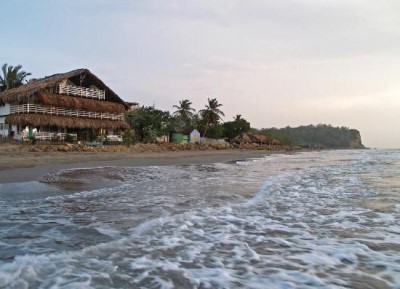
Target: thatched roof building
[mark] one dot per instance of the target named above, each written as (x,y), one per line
(79,77)
(67,101)
(77,100)
(64,121)
(242,138)
(246,137)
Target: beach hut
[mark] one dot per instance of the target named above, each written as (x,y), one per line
(179,138)
(194,136)
(76,102)
(259,138)
(242,138)
(245,137)
(275,142)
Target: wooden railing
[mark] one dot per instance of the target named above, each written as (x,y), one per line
(37,108)
(43,135)
(80,91)
(114,138)
(58,136)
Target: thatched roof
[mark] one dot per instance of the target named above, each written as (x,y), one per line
(80,77)
(66,101)
(250,138)
(259,138)
(243,138)
(64,121)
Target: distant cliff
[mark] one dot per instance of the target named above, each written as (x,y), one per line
(322,134)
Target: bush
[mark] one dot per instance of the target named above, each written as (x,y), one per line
(128,137)
(68,138)
(216,132)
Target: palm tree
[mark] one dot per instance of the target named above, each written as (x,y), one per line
(238,117)
(184,115)
(12,76)
(184,110)
(211,114)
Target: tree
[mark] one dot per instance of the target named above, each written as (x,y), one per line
(276,134)
(211,115)
(236,127)
(12,76)
(148,122)
(216,131)
(184,112)
(198,123)
(321,134)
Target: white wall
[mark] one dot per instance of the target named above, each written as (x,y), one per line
(4,111)
(5,132)
(206,140)
(3,127)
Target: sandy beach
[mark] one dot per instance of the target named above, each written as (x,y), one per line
(29,166)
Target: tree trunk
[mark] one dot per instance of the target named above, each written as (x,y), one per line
(205,130)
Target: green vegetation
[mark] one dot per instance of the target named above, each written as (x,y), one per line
(211,115)
(12,76)
(69,139)
(148,122)
(276,135)
(216,131)
(322,134)
(235,127)
(183,113)
(128,137)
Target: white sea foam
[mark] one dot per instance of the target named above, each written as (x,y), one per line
(306,226)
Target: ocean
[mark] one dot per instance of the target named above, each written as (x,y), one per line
(328,219)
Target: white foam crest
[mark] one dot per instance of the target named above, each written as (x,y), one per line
(8,275)
(248,162)
(90,194)
(305,228)
(161,283)
(106,230)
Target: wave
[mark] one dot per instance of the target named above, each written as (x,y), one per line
(304,227)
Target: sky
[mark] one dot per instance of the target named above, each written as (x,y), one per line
(277,63)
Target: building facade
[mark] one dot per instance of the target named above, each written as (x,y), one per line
(76,103)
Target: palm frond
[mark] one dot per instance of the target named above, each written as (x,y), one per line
(13,76)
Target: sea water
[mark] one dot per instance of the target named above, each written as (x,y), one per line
(328,219)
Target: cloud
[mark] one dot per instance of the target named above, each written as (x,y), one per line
(276,62)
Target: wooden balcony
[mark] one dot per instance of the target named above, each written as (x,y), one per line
(41,109)
(50,136)
(80,91)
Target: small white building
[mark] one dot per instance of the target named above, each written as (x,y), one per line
(4,128)
(194,136)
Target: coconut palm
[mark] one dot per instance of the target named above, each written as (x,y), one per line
(12,76)
(238,117)
(183,115)
(236,127)
(211,114)
(184,110)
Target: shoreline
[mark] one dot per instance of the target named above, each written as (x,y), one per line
(31,166)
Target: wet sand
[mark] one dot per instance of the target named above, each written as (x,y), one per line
(30,166)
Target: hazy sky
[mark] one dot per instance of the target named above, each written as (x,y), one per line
(275,62)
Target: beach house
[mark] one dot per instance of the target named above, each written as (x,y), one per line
(76,103)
